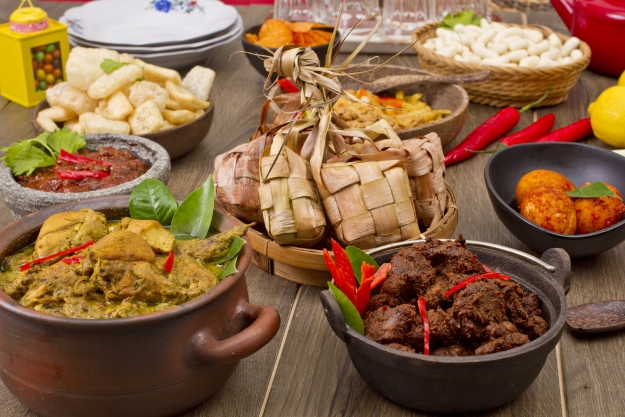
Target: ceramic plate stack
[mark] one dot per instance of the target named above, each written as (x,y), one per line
(170,33)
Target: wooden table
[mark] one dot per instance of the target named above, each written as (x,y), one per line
(305,370)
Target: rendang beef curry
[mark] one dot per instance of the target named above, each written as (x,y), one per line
(123,273)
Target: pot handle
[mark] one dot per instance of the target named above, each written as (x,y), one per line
(562,262)
(334,315)
(265,325)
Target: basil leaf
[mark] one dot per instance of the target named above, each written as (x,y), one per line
(193,217)
(151,200)
(235,248)
(596,189)
(24,157)
(67,140)
(110,65)
(350,314)
(229,269)
(356,257)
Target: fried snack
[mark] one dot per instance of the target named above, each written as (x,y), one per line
(117,107)
(57,114)
(142,91)
(96,123)
(127,58)
(178,117)
(74,126)
(540,177)
(159,75)
(551,208)
(83,65)
(46,123)
(275,33)
(107,84)
(199,81)
(174,105)
(146,119)
(53,94)
(597,213)
(185,97)
(76,100)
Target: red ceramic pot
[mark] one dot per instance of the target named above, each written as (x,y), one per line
(158,364)
(601,24)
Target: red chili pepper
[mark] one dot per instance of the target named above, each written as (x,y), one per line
(489,131)
(363,294)
(380,275)
(341,270)
(462,284)
(535,131)
(169,262)
(80,175)
(78,159)
(72,260)
(27,266)
(486,268)
(426,326)
(288,85)
(571,133)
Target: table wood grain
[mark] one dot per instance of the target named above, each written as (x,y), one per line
(305,370)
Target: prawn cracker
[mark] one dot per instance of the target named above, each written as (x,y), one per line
(322,34)
(272,27)
(300,27)
(309,40)
(276,41)
(251,38)
(298,38)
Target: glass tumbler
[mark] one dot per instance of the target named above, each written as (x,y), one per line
(352,12)
(297,10)
(402,17)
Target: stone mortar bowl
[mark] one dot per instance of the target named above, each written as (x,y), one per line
(177,140)
(153,365)
(464,384)
(22,200)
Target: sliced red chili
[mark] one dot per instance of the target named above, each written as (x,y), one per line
(27,266)
(364,291)
(426,326)
(288,85)
(78,159)
(72,260)
(169,262)
(380,275)
(344,268)
(80,175)
(486,268)
(488,275)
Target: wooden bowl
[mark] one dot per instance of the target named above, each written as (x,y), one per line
(436,95)
(307,266)
(177,141)
(22,200)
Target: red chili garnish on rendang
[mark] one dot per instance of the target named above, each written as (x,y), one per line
(461,285)
(78,159)
(426,326)
(27,266)
(169,262)
(72,260)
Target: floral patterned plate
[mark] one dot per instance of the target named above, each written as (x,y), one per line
(149,22)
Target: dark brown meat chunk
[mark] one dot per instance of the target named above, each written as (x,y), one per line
(410,276)
(382,299)
(440,329)
(500,344)
(475,307)
(536,327)
(453,350)
(401,347)
(395,325)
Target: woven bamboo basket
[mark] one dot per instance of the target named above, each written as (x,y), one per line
(306,266)
(506,86)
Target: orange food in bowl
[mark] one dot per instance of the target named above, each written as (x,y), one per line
(540,177)
(551,208)
(597,213)
(275,33)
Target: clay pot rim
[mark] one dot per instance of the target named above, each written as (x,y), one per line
(116,202)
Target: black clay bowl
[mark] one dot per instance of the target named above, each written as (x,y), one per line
(580,164)
(177,140)
(463,384)
(153,365)
(258,63)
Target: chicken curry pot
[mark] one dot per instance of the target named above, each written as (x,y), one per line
(156,364)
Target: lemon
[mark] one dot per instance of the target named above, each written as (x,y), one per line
(607,116)
(621,80)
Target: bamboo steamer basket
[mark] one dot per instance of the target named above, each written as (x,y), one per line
(506,86)
(307,266)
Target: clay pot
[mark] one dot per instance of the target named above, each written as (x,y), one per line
(464,384)
(158,364)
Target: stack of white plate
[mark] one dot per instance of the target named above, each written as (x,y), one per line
(170,33)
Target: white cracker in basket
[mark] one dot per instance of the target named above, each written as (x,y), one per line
(157,74)
(83,65)
(95,123)
(57,114)
(142,91)
(185,97)
(199,81)
(46,123)
(107,84)
(76,100)
(117,107)
(146,119)
(74,125)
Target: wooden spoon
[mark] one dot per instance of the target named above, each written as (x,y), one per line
(604,316)
(402,81)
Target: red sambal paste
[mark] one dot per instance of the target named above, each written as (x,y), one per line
(121,166)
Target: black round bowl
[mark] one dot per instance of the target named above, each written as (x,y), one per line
(464,384)
(258,63)
(580,164)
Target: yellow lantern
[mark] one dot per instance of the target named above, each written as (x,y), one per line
(34,50)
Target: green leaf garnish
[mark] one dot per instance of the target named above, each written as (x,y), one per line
(596,189)
(350,314)
(356,257)
(465,17)
(110,65)
(193,218)
(151,200)
(235,248)
(230,268)
(29,154)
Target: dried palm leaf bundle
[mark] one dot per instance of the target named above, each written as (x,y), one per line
(236,172)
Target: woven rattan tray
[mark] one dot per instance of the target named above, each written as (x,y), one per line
(306,266)
(506,86)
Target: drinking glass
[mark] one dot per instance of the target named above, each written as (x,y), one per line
(353,11)
(402,17)
(441,7)
(297,10)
